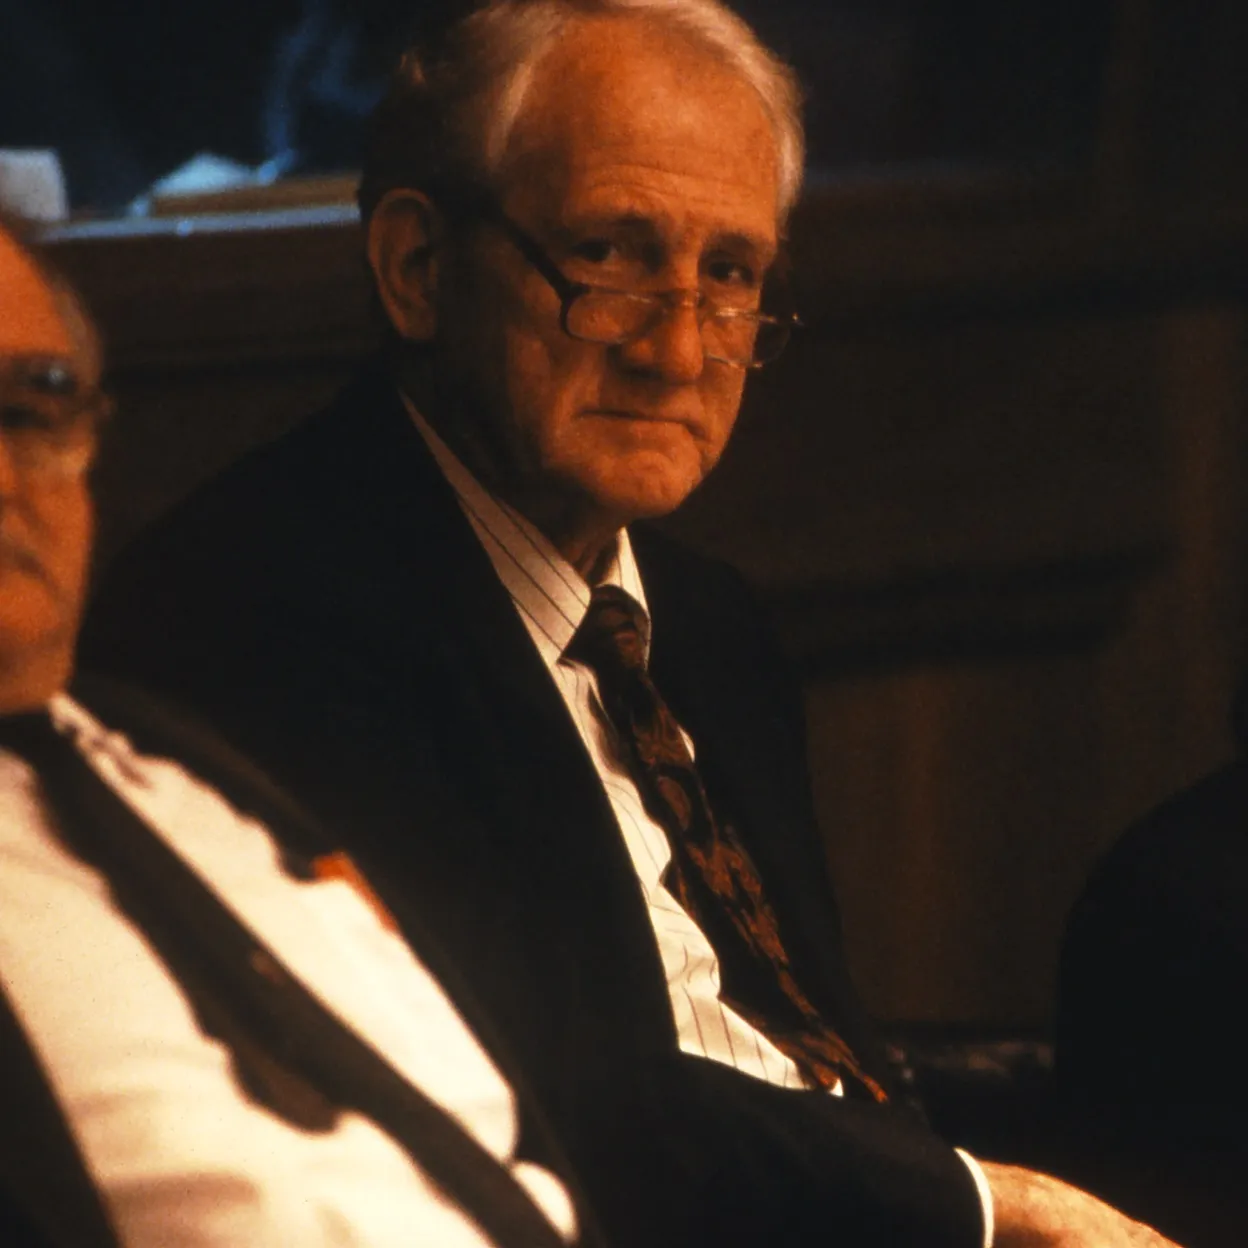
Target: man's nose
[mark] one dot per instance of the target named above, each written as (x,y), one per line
(672,347)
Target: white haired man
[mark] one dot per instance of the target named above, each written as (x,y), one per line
(431,597)
(206,1038)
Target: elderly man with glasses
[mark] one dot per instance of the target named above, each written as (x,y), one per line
(434,611)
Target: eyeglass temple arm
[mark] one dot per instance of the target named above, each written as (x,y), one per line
(529,248)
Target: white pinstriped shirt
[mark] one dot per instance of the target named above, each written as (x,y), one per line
(552,598)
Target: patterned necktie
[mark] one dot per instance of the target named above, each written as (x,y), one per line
(710,874)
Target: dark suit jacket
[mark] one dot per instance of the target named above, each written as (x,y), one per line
(326,604)
(289,1053)
(1154,975)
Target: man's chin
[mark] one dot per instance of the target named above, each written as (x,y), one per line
(30,627)
(649,500)
(646,486)
(33,666)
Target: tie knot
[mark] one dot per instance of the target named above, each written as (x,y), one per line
(614,633)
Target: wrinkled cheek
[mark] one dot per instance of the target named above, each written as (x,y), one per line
(68,521)
(548,382)
(724,410)
(30,612)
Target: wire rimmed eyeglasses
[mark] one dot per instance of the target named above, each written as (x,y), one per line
(740,336)
(49,420)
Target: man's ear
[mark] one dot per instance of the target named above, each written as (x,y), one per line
(404,234)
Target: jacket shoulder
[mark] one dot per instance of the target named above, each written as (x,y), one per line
(268,478)
(233,543)
(1187,848)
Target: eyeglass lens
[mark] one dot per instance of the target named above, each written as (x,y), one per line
(616,317)
(46,422)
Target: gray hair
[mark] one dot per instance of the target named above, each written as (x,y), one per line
(454,101)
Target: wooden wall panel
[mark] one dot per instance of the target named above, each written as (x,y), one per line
(958,803)
(907,452)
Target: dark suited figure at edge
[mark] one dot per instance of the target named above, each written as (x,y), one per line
(1153,987)
(436,613)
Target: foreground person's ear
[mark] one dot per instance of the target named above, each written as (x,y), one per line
(403,236)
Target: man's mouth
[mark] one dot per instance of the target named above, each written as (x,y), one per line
(649,418)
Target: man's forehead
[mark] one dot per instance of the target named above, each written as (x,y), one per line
(624,113)
(31,321)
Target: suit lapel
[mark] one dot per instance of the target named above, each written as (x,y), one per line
(520,811)
(153,728)
(701,664)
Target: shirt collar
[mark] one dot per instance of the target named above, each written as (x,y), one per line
(550,595)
